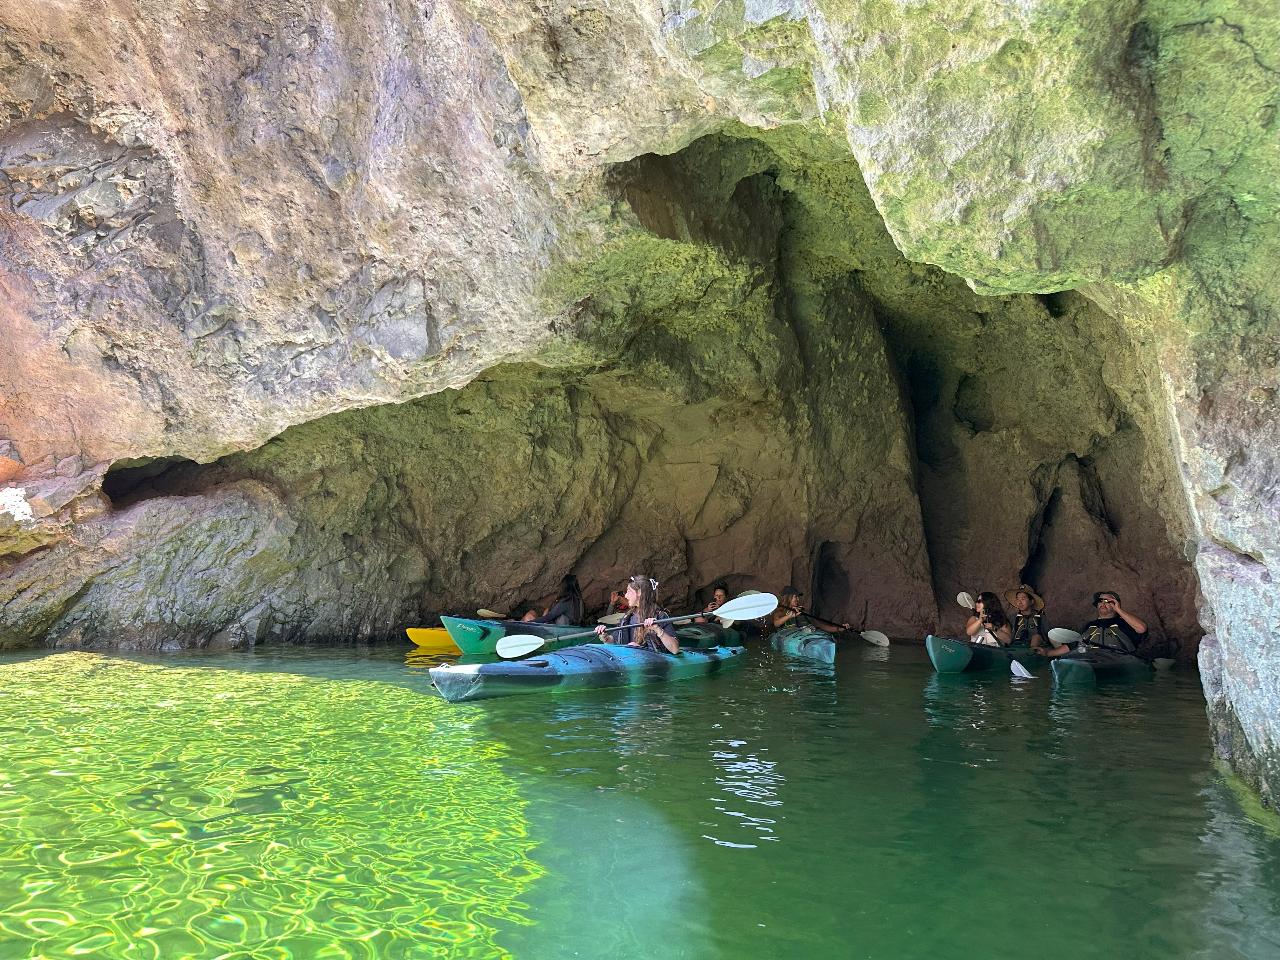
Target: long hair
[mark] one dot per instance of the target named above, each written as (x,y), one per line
(648,605)
(569,590)
(993,610)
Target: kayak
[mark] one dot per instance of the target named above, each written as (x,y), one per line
(435,639)
(575,668)
(956,656)
(482,636)
(1096,664)
(808,642)
(702,636)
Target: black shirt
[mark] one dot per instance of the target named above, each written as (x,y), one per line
(1112,632)
(1025,626)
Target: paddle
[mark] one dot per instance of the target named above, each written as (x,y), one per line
(485,614)
(1063,636)
(611,619)
(1019,671)
(740,608)
(727,622)
(965,600)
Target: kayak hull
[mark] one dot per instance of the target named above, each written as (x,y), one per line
(1099,666)
(704,636)
(806,642)
(958,656)
(432,639)
(474,637)
(588,666)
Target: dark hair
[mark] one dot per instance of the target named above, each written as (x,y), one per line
(719,585)
(992,609)
(648,605)
(569,590)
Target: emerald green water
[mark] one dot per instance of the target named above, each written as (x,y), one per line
(322,803)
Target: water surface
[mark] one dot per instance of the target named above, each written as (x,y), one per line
(323,803)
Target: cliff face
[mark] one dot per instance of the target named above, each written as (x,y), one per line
(321,316)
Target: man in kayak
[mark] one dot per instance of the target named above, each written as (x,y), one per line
(789,613)
(641,630)
(1113,627)
(1029,627)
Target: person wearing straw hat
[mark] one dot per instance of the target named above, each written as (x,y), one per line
(1029,629)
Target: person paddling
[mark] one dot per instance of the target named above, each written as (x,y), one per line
(1113,627)
(1029,629)
(790,614)
(988,625)
(568,608)
(639,628)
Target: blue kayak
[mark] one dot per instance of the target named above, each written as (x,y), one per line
(808,642)
(576,668)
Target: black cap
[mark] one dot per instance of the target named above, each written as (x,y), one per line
(1105,593)
(789,589)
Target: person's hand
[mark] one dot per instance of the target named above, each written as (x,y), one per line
(714,604)
(600,630)
(846,626)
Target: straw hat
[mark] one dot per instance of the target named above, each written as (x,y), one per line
(1036,600)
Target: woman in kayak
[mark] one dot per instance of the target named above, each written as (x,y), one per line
(988,625)
(790,614)
(568,607)
(640,630)
(719,595)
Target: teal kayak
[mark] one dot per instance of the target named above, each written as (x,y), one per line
(1095,664)
(576,668)
(957,656)
(808,642)
(476,637)
(481,636)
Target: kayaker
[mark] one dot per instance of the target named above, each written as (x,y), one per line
(568,607)
(719,595)
(988,625)
(1029,628)
(640,628)
(1113,627)
(789,613)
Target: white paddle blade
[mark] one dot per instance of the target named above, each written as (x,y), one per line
(748,606)
(611,619)
(489,614)
(1019,671)
(876,637)
(1063,635)
(727,622)
(518,645)
(965,600)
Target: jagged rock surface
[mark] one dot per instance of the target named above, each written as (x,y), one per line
(220,226)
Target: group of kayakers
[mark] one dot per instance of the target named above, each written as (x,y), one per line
(1113,626)
(988,623)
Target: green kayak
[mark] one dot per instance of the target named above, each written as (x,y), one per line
(1097,665)
(957,656)
(808,642)
(481,636)
(576,668)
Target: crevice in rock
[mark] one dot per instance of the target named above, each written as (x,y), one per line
(130,481)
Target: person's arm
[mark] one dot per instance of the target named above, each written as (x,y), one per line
(561,608)
(1130,619)
(974,626)
(1003,634)
(833,627)
(665,635)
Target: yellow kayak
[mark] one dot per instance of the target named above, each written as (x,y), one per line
(432,638)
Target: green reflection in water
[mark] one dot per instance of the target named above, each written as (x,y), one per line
(155,812)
